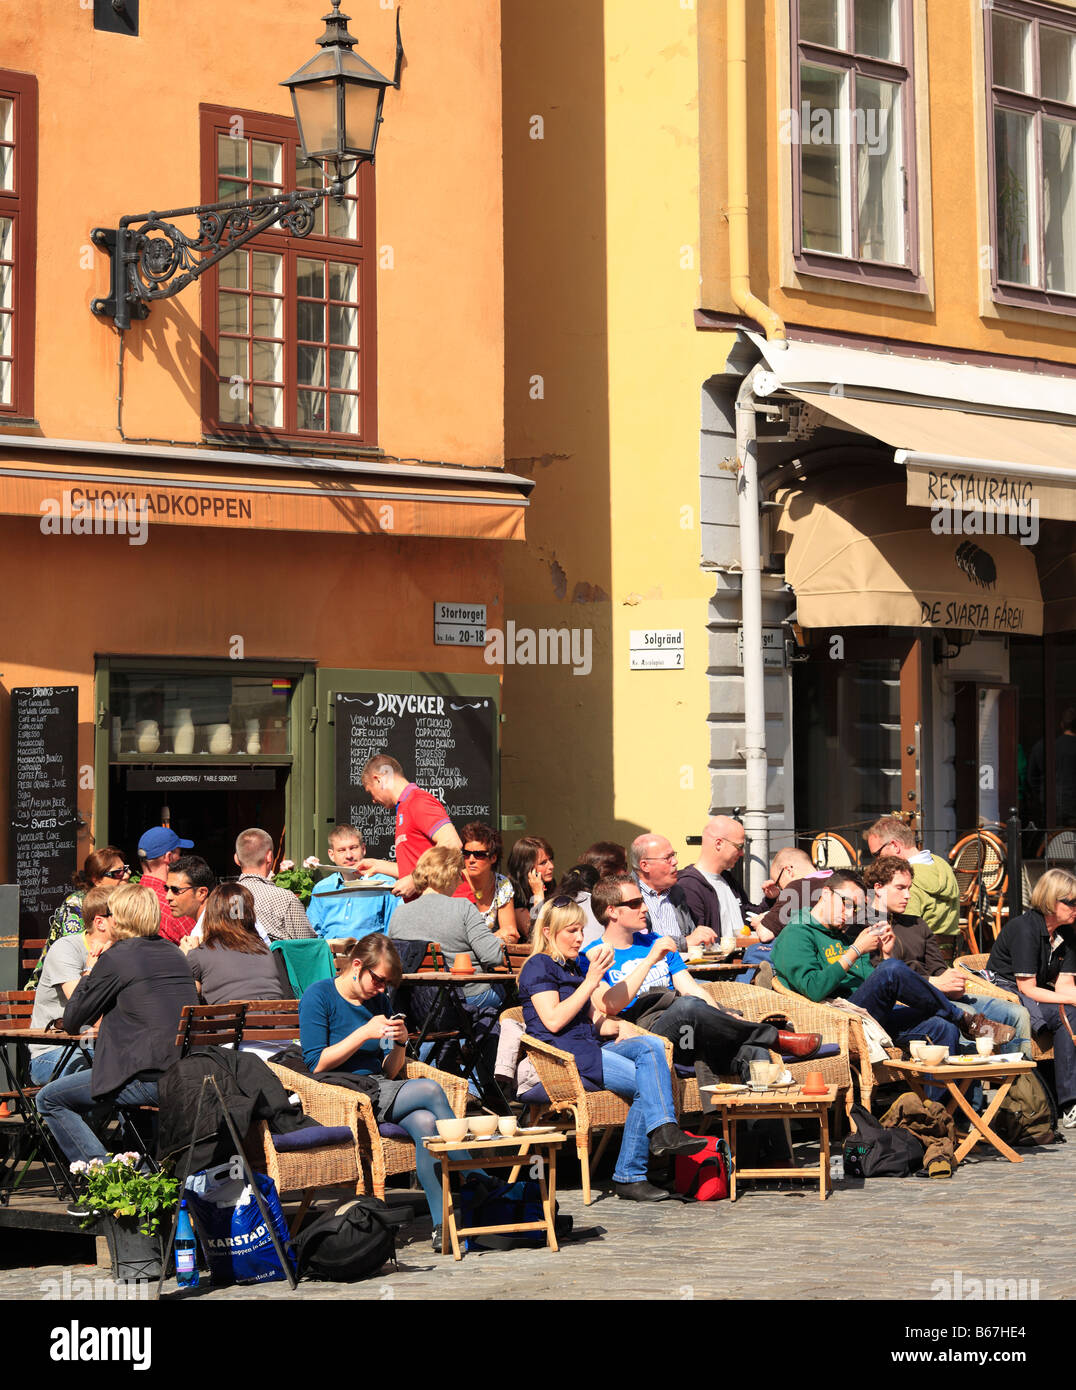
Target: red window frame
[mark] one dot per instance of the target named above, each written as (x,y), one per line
(20,204)
(359,252)
(1004,98)
(831,264)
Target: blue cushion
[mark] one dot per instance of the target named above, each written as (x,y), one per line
(683,1071)
(387,1130)
(826,1050)
(535,1096)
(312,1137)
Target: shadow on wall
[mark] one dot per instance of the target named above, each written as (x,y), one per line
(557,753)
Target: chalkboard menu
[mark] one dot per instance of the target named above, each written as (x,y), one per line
(442,742)
(44,780)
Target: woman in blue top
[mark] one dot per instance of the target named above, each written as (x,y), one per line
(344,1026)
(562,1006)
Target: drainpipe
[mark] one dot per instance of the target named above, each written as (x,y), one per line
(756,824)
(755,820)
(739,253)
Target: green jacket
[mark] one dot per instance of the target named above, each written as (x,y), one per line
(935,896)
(805,958)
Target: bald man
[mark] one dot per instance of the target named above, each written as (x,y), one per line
(713,896)
(653,863)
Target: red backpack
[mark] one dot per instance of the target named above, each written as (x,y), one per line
(705,1175)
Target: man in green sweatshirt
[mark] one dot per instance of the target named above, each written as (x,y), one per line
(935,892)
(813,957)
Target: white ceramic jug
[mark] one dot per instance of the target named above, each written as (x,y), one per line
(183,733)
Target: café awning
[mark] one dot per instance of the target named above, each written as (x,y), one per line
(210,488)
(867,559)
(977,438)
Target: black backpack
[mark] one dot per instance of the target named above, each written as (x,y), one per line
(877,1152)
(350,1242)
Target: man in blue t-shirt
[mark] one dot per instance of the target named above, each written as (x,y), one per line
(643,962)
(357,912)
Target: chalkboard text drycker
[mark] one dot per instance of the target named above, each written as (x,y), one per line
(44,804)
(444,743)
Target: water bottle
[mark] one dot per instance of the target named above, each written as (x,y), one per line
(186,1250)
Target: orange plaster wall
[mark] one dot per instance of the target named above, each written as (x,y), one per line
(363,602)
(119,130)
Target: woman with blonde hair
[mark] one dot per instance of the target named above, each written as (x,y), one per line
(137,989)
(1035,957)
(562,1006)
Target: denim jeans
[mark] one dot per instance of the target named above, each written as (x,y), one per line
(1001,1011)
(922,1010)
(62,1104)
(1048,1017)
(636,1070)
(41,1066)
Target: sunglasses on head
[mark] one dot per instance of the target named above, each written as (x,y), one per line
(564,901)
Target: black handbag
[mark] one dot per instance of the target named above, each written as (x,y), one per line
(877,1152)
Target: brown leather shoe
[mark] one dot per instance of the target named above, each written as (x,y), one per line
(799,1045)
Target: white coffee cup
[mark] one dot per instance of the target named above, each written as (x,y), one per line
(508,1124)
(694,953)
(984,1046)
(728,944)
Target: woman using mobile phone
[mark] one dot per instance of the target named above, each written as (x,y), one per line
(344,1025)
(561,1007)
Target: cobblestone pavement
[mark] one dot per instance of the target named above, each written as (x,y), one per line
(890,1238)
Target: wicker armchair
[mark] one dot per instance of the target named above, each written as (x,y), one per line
(309,1170)
(870,1073)
(592,1111)
(806,1017)
(1042,1044)
(375,1156)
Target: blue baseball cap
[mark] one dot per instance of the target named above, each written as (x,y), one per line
(156,843)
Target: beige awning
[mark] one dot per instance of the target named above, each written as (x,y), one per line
(867,559)
(968,459)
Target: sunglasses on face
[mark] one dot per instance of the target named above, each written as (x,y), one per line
(378,980)
(118,873)
(633,903)
(1069,902)
(477,854)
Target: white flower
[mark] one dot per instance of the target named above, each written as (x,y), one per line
(311,862)
(94,1164)
(286,865)
(131,1158)
(79,1166)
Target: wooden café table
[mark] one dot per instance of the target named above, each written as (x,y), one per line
(956,1078)
(781,1103)
(449,984)
(499,1152)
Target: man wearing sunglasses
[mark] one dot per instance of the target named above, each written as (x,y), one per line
(646,966)
(813,957)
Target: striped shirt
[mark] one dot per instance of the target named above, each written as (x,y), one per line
(664,919)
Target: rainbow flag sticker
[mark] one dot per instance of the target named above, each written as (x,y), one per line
(281,683)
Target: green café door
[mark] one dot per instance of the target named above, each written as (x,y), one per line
(442,729)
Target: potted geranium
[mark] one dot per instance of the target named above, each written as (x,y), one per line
(297,881)
(136,1205)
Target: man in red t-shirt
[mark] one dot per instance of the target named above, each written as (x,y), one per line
(421,821)
(158,850)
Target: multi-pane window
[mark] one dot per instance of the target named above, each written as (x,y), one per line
(290,320)
(18,174)
(1032,71)
(852,128)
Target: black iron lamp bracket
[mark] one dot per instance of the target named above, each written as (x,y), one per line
(153,259)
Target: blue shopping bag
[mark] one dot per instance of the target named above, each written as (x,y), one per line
(234,1238)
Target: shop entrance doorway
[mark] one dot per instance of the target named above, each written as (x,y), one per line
(210,815)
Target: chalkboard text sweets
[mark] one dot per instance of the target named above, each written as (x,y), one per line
(421,820)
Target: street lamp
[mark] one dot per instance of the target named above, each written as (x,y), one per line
(338,98)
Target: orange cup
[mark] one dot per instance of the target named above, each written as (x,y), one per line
(814,1084)
(461,964)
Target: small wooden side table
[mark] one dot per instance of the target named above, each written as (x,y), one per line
(777,1105)
(499,1153)
(957,1079)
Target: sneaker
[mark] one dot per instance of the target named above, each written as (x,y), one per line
(1068,1117)
(436,1240)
